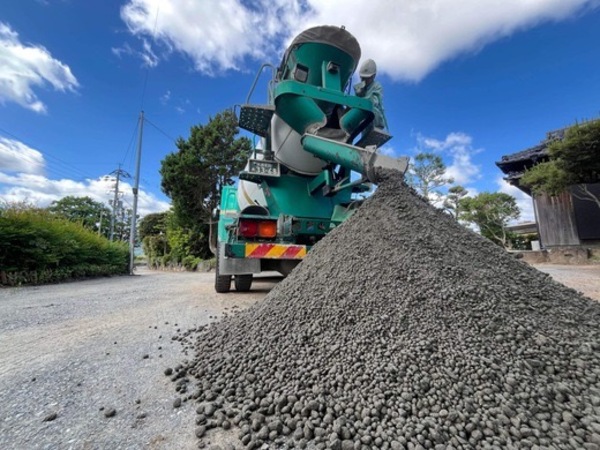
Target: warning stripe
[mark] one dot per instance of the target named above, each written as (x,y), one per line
(294,251)
(275,251)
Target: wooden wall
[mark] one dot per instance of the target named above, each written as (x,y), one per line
(556,220)
(587,214)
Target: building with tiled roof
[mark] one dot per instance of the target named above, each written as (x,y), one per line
(564,219)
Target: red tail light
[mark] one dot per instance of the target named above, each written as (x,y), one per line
(258,228)
(248,228)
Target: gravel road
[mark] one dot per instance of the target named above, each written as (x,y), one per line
(74,348)
(585,279)
(79,349)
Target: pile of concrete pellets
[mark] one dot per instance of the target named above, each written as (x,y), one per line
(401,329)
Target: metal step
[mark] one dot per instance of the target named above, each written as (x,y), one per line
(256,118)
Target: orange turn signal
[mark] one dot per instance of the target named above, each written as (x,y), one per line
(267,228)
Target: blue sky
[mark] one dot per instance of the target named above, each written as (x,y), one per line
(472,80)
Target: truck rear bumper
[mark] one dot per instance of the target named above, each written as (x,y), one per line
(245,258)
(274,251)
(265,250)
(229,265)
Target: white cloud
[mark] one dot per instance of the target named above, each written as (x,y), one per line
(458,146)
(216,34)
(408,38)
(388,150)
(147,55)
(125,49)
(411,38)
(524,201)
(42,191)
(165,97)
(18,157)
(472,191)
(24,67)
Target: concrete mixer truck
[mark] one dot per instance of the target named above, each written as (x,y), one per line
(315,153)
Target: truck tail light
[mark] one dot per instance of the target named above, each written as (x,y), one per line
(248,228)
(258,228)
(267,228)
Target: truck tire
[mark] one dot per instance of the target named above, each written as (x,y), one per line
(222,282)
(243,283)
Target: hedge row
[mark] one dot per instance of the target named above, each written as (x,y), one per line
(160,255)
(38,247)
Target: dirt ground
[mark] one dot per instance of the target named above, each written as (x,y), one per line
(585,279)
(78,349)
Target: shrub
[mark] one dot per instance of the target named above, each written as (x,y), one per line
(42,248)
(190,262)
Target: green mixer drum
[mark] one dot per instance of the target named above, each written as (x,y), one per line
(303,60)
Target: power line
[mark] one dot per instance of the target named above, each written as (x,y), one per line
(57,172)
(148,67)
(46,155)
(131,140)
(67,170)
(161,131)
(60,171)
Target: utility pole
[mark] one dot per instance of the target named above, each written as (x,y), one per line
(100,223)
(136,185)
(116,204)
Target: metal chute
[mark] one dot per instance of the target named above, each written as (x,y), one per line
(365,161)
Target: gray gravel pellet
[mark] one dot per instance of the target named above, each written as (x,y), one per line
(403,329)
(50,417)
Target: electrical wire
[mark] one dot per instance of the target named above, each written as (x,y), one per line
(148,67)
(161,131)
(131,140)
(67,169)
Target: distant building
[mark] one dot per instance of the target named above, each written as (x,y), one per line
(523,228)
(562,220)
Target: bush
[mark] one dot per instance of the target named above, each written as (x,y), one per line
(169,245)
(156,248)
(38,247)
(190,262)
(523,241)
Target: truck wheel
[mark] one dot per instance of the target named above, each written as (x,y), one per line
(243,282)
(222,282)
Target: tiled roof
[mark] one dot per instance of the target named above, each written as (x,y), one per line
(536,152)
(533,153)
(515,164)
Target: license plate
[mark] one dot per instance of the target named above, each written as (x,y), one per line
(264,168)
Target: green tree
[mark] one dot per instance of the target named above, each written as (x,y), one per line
(152,232)
(194,175)
(574,163)
(428,173)
(91,214)
(153,224)
(491,212)
(453,199)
